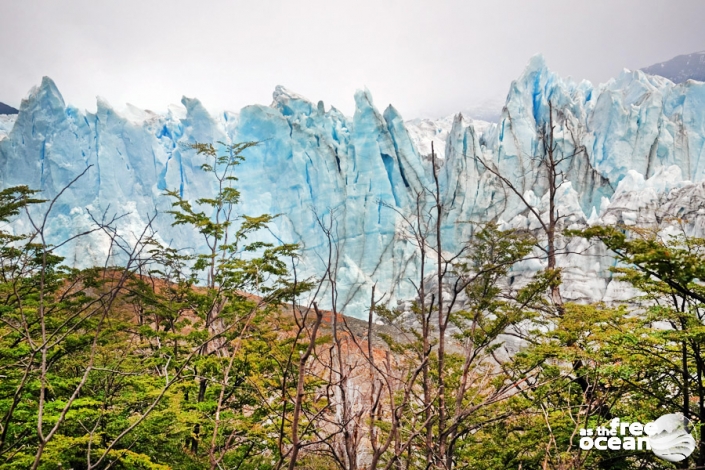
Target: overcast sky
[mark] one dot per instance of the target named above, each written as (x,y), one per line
(428,58)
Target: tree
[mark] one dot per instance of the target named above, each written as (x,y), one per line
(425,398)
(549,164)
(54,322)
(667,269)
(124,367)
(543,421)
(232,266)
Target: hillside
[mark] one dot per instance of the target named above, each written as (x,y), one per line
(680,68)
(6,109)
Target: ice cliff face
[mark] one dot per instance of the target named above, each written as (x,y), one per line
(6,123)
(627,142)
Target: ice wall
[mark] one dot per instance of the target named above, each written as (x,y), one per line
(366,172)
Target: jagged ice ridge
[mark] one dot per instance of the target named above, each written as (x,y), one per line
(633,142)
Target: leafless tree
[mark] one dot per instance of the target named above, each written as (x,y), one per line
(412,415)
(550,162)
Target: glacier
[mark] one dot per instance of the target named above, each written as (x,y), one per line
(634,145)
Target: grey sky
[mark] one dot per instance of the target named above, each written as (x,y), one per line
(428,58)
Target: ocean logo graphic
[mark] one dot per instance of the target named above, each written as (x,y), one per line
(670,438)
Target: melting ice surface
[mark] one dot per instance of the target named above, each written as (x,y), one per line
(628,141)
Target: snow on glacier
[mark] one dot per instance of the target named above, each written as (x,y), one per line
(633,145)
(425,131)
(7,121)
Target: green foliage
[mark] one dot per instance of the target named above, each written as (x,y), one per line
(14,199)
(191,360)
(142,367)
(668,264)
(471,372)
